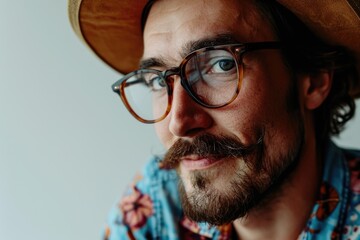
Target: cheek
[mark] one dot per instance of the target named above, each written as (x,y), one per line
(267,85)
(262,101)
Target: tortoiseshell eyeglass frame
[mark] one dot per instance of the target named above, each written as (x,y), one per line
(236,50)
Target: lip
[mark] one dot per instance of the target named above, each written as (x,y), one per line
(199,163)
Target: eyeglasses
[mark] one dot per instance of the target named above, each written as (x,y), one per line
(211,76)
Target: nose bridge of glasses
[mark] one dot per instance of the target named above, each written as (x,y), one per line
(169,75)
(176,71)
(171,72)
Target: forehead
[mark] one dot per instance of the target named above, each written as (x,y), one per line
(172,24)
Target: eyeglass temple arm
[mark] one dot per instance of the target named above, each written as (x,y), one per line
(262,45)
(128,84)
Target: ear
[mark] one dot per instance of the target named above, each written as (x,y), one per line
(315,88)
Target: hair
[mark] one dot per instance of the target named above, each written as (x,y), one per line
(145,13)
(305,53)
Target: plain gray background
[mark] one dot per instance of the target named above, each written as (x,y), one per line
(67,145)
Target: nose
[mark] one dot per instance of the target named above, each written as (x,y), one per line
(187,118)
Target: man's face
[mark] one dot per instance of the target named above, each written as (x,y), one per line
(218,185)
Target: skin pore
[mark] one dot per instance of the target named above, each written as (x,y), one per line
(260,111)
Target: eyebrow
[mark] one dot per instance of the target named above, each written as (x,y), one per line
(152,62)
(220,39)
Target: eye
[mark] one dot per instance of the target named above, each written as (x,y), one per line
(222,65)
(157,83)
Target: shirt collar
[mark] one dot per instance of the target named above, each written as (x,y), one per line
(328,214)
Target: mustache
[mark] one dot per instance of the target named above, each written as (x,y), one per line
(210,145)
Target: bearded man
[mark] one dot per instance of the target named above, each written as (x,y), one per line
(244,95)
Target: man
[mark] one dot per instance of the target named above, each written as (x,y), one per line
(244,97)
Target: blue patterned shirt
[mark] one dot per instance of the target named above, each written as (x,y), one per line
(151,209)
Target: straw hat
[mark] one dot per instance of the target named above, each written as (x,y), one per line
(112,28)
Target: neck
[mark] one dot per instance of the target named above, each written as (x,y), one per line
(285,216)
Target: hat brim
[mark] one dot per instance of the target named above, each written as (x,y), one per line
(112,28)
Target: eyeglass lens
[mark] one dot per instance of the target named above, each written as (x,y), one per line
(212,77)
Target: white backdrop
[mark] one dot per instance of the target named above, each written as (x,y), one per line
(67,145)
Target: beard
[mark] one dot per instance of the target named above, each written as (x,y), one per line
(253,176)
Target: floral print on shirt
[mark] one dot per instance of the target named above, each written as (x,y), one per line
(136,208)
